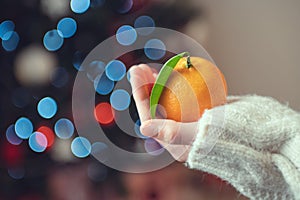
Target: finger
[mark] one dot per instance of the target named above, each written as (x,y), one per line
(178,152)
(170,131)
(148,72)
(154,72)
(139,82)
(150,77)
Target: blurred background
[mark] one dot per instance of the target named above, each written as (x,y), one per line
(43,43)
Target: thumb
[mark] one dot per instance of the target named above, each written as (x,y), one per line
(170,131)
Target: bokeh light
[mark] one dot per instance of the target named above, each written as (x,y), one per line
(6,26)
(153,147)
(77,60)
(53,40)
(11,42)
(155,49)
(55,8)
(11,136)
(23,128)
(81,147)
(20,97)
(12,155)
(64,128)
(46,131)
(124,6)
(67,27)
(142,22)
(79,6)
(126,35)
(34,65)
(7,35)
(47,107)
(97,3)
(61,151)
(98,147)
(104,113)
(38,142)
(128,76)
(137,126)
(60,77)
(16,172)
(103,85)
(115,70)
(94,69)
(120,99)
(97,172)
(100,151)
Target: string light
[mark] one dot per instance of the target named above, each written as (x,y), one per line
(38,142)
(120,100)
(103,85)
(115,70)
(155,49)
(53,40)
(67,27)
(64,128)
(11,135)
(23,128)
(79,6)
(126,35)
(10,41)
(47,107)
(145,22)
(81,147)
(104,113)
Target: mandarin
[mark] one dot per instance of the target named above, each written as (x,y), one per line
(195,84)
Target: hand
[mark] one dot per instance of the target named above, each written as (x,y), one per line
(252,141)
(174,136)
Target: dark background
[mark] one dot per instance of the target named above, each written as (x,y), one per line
(254,43)
(39,171)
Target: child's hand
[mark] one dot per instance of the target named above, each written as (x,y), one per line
(174,136)
(252,142)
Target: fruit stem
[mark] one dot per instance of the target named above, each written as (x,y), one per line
(188,62)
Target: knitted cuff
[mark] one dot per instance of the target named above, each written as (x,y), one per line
(218,151)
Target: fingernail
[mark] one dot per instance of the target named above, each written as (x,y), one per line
(154,75)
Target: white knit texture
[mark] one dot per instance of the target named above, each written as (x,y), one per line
(252,142)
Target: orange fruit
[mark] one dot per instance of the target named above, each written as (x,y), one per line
(190,90)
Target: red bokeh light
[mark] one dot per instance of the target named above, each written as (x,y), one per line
(48,133)
(104,113)
(12,155)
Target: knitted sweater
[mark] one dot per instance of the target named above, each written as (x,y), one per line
(252,142)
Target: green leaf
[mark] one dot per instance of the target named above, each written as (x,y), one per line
(161,81)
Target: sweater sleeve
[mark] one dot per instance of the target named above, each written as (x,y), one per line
(253,143)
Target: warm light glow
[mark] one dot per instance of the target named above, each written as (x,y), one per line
(48,133)
(104,113)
